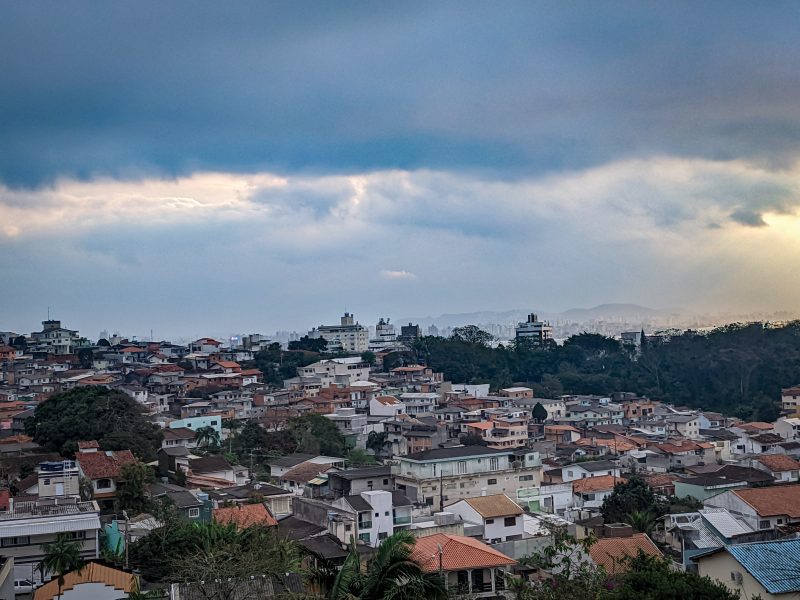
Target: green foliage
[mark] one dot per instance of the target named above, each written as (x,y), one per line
(737,369)
(318,345)
(132,487)
(111,417)
(183,551)
(377,441)
(61,557)
(207,436)
(642,521)
(650,578)
(630,497)
(471,334)
(471,439)
(539,413)
(356,457)
(390,575)
(316,434)
(277,365)
(369,357)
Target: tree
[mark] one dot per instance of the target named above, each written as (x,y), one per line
(472,334)
(356,457)
(61,557)
(232,426)
(131,487)
(643,521)
(85,489)
(539,413)
(315,433)
(389,575)
(318,345)
(20,343)
(377,442)
(369,357)
(86,358)
(111,417)
(207,436)
(631,496)
(471,439)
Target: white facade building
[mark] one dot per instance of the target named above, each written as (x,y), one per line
(348,336)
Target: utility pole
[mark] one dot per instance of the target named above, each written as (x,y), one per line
(127,538)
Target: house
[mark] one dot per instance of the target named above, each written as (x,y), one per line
(685,426)
(761,508)
(464,472)
(297,478)
(611,552)
(93,580)
(499,515)
(790,401)
(278,500)
(788,428)
(103,468)
(592,491)
(469,566)
(590,468)
(215,471)
(245,515)
(379,514)
(386,406)
(766,570)
(354,481)
(30,524)
(188,504)
(783,468)
(179,436)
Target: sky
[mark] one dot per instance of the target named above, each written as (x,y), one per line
(199,167)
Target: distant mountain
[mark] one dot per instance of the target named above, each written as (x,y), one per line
(627,312)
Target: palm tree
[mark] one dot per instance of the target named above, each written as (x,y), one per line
(206,436)
(390,575)
(61,557)
(642,521)
(232,425)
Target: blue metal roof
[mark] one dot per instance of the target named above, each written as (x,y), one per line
(776,565)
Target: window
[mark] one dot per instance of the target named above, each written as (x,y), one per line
(526,477)
(763,524)
(489,521)
(348,527)
(492,482)
(77,535)
(364,537)
(462,467)
(46,482)
(377,514)
(103,484)
(382,535)
(385,482)
(386,514)
(493,464)
(16,541)
(194,513)
(510,521)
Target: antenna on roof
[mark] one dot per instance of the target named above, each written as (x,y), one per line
(48,313)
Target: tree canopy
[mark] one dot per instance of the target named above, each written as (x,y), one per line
(738,369)
(111,417)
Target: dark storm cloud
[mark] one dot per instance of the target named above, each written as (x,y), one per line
(129,89)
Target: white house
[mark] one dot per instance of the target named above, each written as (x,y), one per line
(500,516)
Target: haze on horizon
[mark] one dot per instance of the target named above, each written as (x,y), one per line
(207,166)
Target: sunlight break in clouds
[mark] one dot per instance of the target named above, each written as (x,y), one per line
(387,274)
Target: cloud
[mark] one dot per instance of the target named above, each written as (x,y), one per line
(202,87)
(397,275)
(749,218)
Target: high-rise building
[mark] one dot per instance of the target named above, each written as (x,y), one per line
(348,336)
(538,332)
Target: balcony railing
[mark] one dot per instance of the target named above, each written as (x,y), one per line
(402,520)
(365,525)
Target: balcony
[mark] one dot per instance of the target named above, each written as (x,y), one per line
(402,520)
(365,525)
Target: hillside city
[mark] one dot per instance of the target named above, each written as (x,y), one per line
(350,463)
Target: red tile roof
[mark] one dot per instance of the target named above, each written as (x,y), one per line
(457,553)
(97,465)
(305,472)
(773,501)
(245,515)
(595,484)
(89,444)
(779,462)
(610,553)
(497,505)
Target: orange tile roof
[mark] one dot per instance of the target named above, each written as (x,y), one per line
(387,400)
(773,501)
(305,471)
(610,552)
(497,505)
(595,484)
(779,462)
(245,515)
(481,425)
(457,553)
(97,465)
(756,425)
(561,428)
(91,573)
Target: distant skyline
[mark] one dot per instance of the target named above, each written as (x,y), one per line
(201,166)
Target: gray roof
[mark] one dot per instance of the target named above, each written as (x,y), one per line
(257,586)
(455,452)
(400,499)
(358,503)
(291,460)
(296,529)
(596,465)
(365,473)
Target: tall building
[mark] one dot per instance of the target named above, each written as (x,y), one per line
(348,336)
(539,332)
(385,336)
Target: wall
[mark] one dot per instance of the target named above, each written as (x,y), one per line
(720,566)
